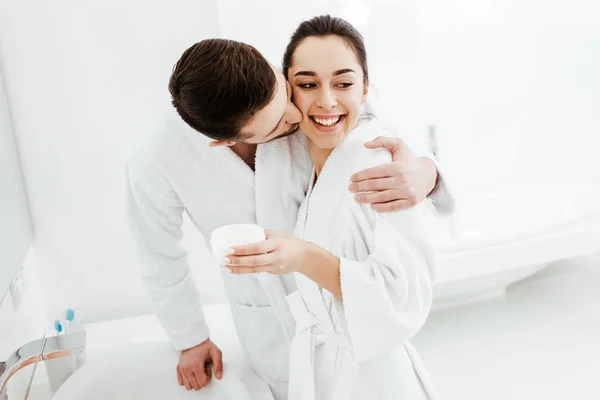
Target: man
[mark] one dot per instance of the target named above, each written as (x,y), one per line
(227,91)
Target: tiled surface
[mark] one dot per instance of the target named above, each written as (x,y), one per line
(538,342)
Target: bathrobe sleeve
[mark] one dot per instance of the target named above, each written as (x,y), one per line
(155,215)
(388,295)
(441,198)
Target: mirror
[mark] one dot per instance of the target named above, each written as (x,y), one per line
(15,224)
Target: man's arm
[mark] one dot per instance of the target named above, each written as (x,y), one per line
(441,197)
(403,183)
(155,215)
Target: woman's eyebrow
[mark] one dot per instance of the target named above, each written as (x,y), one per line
(305,73)
(343,71)
(311,73)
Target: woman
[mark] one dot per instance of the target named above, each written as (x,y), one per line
(364,280)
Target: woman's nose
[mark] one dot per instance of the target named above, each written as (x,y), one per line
(326,99)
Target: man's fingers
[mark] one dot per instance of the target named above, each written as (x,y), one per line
(202,374)
(372,185)
(384,142)
(391,206)
(381,171)
(246,270)
(198,378)
(377,143)
(256,248)
(179,378)
(186,381)
(217,358)
(373,144)
(380,197)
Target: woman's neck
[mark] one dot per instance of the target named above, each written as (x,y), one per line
(318,155)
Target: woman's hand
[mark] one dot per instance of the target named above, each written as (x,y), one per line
(401,184)
(280,253)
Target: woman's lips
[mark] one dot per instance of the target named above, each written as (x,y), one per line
(323,118)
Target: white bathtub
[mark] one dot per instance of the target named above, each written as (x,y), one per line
(501,234)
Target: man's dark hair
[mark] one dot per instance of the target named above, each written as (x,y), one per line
(218,85)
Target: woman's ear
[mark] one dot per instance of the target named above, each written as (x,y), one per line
(365,92)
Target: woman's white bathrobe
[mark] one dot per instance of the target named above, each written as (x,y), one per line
(358,348)
(172,171)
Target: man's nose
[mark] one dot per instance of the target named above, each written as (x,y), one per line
(293,115)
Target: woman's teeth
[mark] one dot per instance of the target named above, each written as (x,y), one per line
(328,121)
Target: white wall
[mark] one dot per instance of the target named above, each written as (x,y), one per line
(511,85)
(504,82)
(82,79)
(272,21)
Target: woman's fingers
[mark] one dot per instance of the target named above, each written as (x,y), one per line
(251,261)
(246,270)
(263,247)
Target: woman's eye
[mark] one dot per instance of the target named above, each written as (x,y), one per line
(307,85)
(344,85)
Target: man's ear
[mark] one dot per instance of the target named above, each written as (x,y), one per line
(365,93)
(216,143)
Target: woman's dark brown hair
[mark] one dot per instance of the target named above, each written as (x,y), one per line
(323,26)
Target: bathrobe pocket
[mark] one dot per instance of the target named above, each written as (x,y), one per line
(263,340)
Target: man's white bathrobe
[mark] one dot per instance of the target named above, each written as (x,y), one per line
(358,348)
(171,171)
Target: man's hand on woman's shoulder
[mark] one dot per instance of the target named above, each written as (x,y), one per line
(401,184)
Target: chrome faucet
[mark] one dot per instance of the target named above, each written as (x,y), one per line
(54,347)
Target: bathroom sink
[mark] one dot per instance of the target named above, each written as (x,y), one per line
(147,371)
(132,359)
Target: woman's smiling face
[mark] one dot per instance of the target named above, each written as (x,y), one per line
(328,87)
